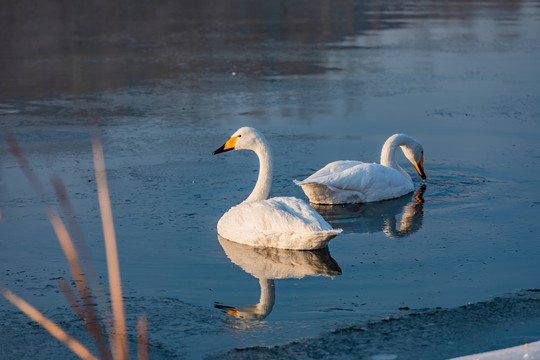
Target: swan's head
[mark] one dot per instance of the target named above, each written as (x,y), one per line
(246,138)
(414,152)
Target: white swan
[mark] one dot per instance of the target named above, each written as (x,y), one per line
(348,181)
(280,222)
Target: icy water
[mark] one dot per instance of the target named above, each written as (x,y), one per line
(448,270)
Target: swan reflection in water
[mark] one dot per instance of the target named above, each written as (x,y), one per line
(377,216)
(269,264)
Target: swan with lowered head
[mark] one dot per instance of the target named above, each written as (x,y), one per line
(280,222)
(349,181)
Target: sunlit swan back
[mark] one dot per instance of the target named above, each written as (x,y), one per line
(349,181)
(280,222)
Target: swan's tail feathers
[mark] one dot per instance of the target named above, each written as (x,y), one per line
(318,240)
(333,232)
(318,193)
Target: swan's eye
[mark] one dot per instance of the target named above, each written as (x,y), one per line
(239,135)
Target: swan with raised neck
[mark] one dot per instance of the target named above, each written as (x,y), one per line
(280,222)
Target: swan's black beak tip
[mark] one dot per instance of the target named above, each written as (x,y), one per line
(222,149)
(420,169)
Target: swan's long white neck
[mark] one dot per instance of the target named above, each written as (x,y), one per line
(266,169)
(388,153)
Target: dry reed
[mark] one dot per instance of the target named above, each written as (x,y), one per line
(115,283)
(83,306)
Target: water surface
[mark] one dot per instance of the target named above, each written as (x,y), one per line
(170,82)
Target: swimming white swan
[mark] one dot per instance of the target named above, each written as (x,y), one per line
(349,181)
(280,222)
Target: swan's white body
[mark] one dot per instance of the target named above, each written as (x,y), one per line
(281,222)
(349,181)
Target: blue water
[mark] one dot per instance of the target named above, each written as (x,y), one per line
(321,84)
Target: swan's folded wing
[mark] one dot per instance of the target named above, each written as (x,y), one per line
(278,222)
(278,215)
(329,171)
(350,175)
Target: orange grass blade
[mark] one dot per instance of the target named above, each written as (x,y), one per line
(113,267)
(142,338)
(66,244)
(79,349)
(71,298)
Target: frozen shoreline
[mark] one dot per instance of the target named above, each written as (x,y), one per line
(424,334)
(411,334)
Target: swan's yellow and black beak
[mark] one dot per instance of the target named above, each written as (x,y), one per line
(420,168)
(228,146)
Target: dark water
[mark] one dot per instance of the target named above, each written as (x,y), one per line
(170,81)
